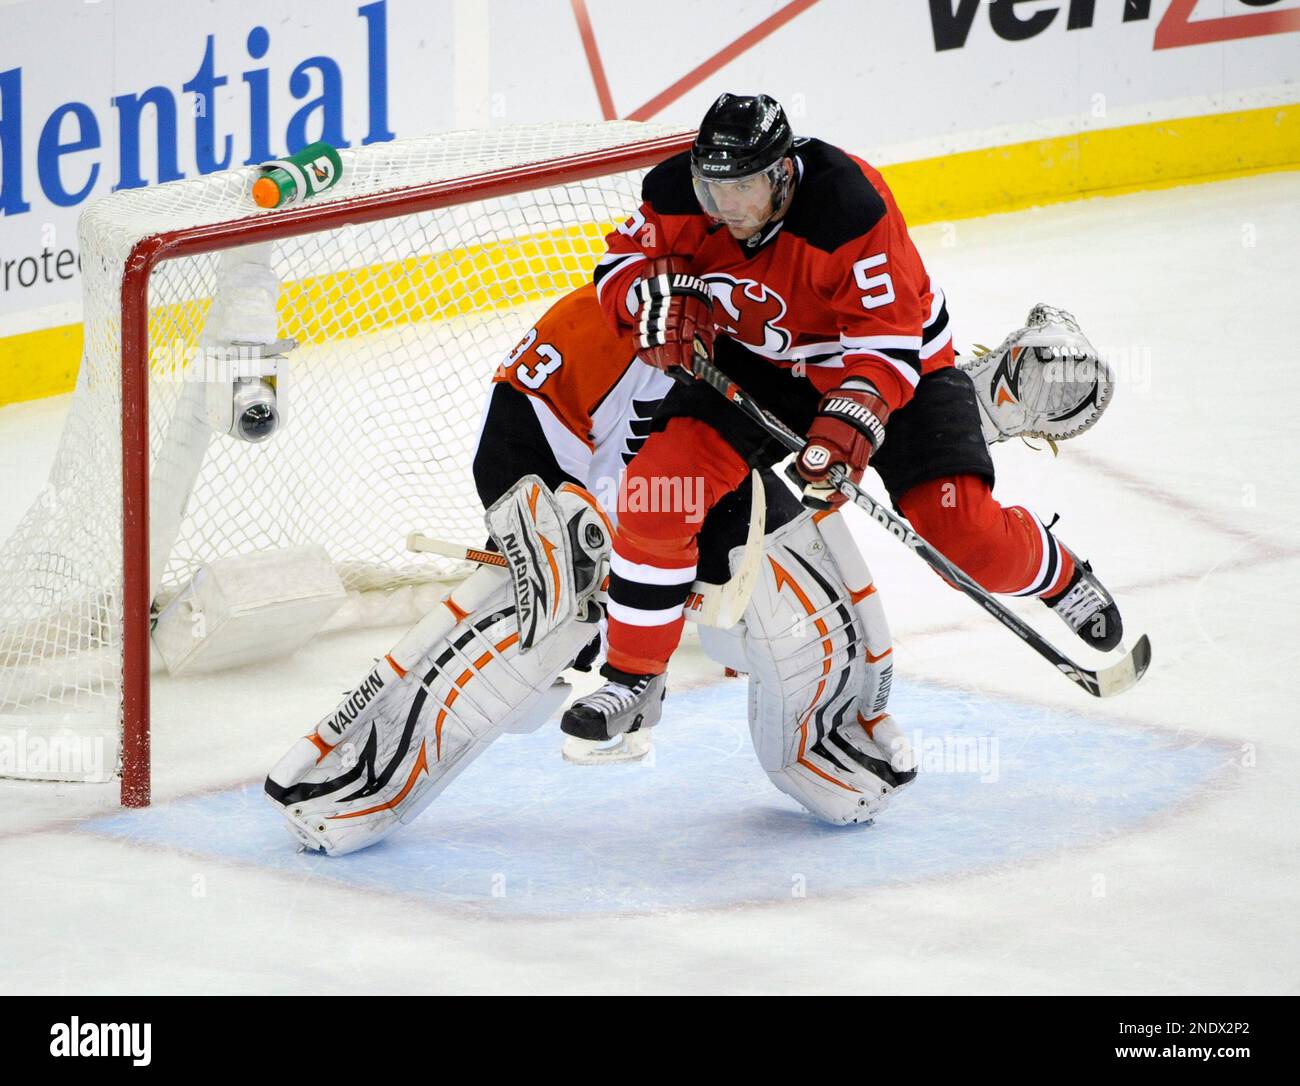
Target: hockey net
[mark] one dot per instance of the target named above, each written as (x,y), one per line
(404,286)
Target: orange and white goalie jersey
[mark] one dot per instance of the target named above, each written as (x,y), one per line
(593,397)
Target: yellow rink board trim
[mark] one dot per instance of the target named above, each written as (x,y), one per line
(340,305)
(1153,155)
(38,364)
(1107,161)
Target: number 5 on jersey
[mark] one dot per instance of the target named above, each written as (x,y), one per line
(549,360)
(880,284)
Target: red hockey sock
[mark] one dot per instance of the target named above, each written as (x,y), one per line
(1005,550)
(678,475)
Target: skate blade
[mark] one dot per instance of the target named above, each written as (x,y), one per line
(631,747)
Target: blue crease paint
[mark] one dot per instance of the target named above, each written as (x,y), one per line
(522,833)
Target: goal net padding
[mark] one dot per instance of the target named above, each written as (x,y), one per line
(402,287)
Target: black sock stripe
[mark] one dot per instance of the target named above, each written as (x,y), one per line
(1053,563)
(935,328)
(647,597)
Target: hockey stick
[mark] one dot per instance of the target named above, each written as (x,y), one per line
(420,543)
(1105,683)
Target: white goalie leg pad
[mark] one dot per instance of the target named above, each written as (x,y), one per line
(545,538)
(1044,380)
(455,682)
(403,735)
(817,648)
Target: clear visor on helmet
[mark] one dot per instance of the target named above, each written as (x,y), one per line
(725,199)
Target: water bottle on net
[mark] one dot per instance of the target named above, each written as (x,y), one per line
(299,177)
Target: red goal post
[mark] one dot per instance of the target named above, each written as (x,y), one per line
(554,160)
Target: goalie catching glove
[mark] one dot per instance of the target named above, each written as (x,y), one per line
(849,427)
(1044,380)
(676,310)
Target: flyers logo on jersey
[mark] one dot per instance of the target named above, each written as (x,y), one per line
(748,312)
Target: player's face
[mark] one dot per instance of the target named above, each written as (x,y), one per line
(744,206)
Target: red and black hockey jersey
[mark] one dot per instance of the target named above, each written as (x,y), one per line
(836,285)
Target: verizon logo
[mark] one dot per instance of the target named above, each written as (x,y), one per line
(952,20)
(1184,22)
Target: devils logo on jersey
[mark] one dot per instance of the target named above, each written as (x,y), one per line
(748,312)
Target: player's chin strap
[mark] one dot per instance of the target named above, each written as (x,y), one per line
(1102,683)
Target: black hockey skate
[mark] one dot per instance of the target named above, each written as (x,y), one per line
(626,703)
(1087,608)
(625,708)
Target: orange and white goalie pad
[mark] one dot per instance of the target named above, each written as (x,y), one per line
(816,645)
(458,679)
(533,533)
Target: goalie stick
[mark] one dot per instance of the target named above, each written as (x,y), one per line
(1103,683)
(420,543)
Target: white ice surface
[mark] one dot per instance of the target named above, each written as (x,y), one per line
(1145,844)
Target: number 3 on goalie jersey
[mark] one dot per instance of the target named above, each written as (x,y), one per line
(535,376)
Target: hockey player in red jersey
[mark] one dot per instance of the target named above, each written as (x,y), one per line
(788,261)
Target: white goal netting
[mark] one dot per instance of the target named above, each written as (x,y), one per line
(400,324)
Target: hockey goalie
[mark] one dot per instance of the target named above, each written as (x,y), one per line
(571,404)
(781,593)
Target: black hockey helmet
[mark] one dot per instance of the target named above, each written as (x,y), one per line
(741,136)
